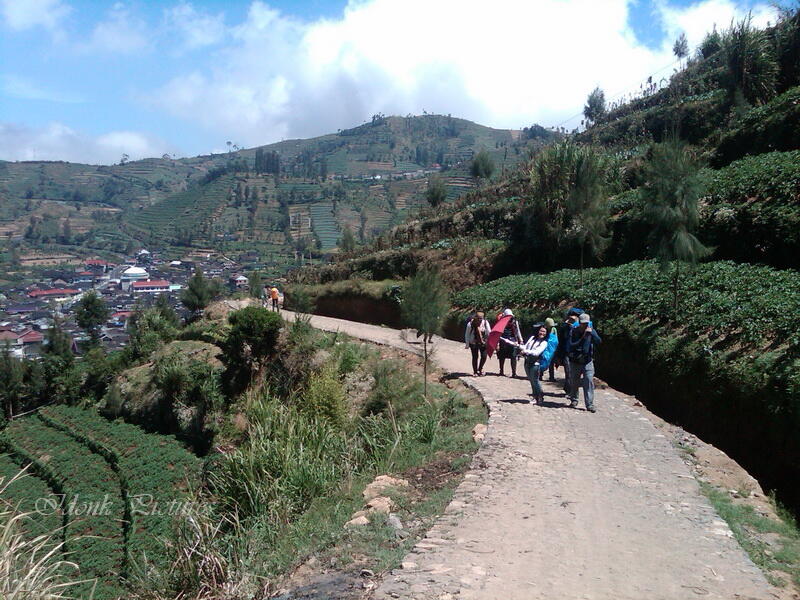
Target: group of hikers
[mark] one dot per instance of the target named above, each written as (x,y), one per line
(570,345)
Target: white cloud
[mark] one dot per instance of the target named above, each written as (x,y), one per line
(56,141)
(698,19)
(509,64)
(196,29)
(20,87)
(20,15)
(120,33)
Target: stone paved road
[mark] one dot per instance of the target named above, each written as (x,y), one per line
(564,504)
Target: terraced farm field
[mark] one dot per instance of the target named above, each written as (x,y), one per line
(324,224)
(121,489)
(189,209)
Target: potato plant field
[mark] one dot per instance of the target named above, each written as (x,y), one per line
(117,489)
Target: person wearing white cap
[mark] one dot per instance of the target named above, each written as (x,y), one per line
(506,350)
(580,354)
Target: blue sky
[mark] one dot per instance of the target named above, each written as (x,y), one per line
(88,80)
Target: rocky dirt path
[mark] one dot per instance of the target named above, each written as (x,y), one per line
(564,504)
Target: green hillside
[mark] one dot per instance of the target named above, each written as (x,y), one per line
(378,169)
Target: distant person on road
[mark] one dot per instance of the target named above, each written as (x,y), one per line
(274,296)
(580,354)
(506,350)
(532,351)
(475,338)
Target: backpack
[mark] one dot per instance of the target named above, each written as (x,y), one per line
(580,352)
(477,331)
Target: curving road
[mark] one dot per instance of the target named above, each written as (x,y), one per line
(564,504)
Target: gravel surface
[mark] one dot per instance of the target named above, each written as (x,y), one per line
(560,503)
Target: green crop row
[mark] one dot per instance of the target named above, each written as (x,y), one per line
(95,534)
(755,304)
(752,212)
(153,468)
(773,126)
(28,494)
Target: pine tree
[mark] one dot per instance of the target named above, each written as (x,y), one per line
(426,301)
(482,165)
(348,241)
(587,205)
(595,105)
(11,384)
(256,285)
(197,294)
(671,195)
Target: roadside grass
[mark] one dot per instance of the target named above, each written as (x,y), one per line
(320,530)
(771,541)
(773,544)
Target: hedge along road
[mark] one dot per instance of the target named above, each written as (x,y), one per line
(564,504)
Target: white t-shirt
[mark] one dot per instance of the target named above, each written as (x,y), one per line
(535,347)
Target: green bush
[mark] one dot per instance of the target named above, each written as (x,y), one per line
(773,126)
(325,397)
(395,390)
(252,339)
(752,212)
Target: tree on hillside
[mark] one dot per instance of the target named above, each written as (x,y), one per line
(587,205)
(426,301)
(348,241)
(91,313)
(595,105)
(711,44)
(671,194)
(752,70)
(197,294)
(250,342)
(59,376)
(681,47)
(166,311)
(482,165)
(11,383)
(256,285)
(436,193)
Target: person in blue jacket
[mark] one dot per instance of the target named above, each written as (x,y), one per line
(580,354)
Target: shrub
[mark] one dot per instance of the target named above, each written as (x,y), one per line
(325,396)
(773,126)
(395,390)
(251,340)
(752,211)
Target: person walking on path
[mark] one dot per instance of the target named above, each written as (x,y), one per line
(533,350)
(506,350)
(475,338)
(580,354)
(551,329)
(274,296)
(570,320)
